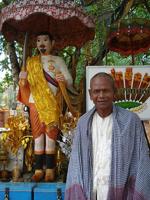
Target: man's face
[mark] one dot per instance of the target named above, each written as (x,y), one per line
(44,44)
(102,94)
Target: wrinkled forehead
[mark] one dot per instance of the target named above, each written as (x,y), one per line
(102,81)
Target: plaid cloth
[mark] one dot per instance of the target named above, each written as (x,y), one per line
(130,164)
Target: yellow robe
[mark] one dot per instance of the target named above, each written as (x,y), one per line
(45,102)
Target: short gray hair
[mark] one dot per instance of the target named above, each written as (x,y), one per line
(106,75)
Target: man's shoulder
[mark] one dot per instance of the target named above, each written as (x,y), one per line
(126,114)
(86,116)
(123,110)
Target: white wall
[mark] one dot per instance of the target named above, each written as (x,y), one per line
(143,113)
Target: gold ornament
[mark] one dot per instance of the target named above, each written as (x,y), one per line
(18,134)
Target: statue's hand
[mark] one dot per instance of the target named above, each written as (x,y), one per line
(60,77)
(22,78)
(23,75)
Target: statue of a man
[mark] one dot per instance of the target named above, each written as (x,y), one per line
(40,91)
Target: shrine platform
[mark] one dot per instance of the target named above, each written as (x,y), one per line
(31,191)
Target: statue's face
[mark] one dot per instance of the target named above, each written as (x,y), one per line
(44,44)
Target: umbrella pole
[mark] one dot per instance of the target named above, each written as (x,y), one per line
(25,51)
(66,97)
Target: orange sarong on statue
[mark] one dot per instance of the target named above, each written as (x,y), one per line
(23,94)
(39,128)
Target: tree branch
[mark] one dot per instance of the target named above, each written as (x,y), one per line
(14,62)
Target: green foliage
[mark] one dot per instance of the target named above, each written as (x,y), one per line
(139,12)
(3,45)
(115,59)
(4,66)
(6,82)
(128,105)
(80,70)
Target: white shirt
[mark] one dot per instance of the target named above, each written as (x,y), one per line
(101,138)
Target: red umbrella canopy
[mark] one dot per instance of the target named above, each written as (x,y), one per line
(66,22)
(130,37)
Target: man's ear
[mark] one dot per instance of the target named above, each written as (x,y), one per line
(90,94)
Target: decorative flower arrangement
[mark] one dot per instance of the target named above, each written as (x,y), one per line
(18,134)
(67,133)
(65,144)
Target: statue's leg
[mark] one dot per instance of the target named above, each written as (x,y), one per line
(39,154)
(50,151)
(38,130)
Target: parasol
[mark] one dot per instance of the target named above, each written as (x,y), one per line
(130,37)
(66,22)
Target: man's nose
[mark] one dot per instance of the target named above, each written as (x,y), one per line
(101,93)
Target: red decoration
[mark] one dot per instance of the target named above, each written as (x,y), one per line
(130,37)
(67,23)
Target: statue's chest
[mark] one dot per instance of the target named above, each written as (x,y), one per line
(48,65)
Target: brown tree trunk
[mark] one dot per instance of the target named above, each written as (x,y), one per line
(14,62)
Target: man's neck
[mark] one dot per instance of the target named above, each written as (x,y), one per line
(104,113)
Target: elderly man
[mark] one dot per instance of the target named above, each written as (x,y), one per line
(110,156)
